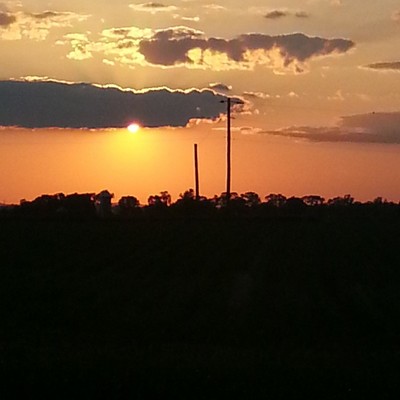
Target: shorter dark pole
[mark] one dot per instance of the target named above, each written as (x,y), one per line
(196,172)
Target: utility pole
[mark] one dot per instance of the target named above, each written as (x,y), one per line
(196,172)
(229,101)
(228,150)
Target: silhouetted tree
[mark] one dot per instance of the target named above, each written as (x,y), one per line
(158,205)
(163,199)
(222,199)
(251,199)
(128,206)
(103,203)
(59,205)
(128,202)
(187,195)
(80,205)
(379,201)
(187,204)
(276,200)
(313,200)
(43,206)
(346,200)
(186,200)
(294,204)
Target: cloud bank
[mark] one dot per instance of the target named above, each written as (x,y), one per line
(361,128)
(40,104)
(186,47)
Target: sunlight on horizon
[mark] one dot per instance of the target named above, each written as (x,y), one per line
(51,161)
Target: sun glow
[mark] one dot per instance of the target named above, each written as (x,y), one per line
(133,128)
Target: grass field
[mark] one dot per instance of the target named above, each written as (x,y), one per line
(200,308)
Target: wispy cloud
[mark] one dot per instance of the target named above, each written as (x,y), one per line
(396,16)
(35,26)
(214,7)
(301,14)
(153,7)
(279,14)
(276,14)
(220,87)
(384,66)
(257,95)
(118,45)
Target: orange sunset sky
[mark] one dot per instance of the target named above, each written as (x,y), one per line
(319,81)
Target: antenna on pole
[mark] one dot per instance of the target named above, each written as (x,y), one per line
(196,172)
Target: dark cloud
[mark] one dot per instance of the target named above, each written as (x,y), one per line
(394,66)
(362,128)
(186,47)
(6,19)
(38,104)
(276,14)
(173,46)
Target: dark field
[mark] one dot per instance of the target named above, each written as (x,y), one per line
(200,308)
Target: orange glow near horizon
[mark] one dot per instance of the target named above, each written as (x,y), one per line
(68,161)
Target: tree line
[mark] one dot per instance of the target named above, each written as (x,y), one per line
(91,205)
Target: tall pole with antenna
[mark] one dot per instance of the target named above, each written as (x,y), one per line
(229,101)
(228,150)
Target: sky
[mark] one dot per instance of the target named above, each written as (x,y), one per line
(315,85)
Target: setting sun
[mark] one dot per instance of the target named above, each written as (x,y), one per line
(133,128)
